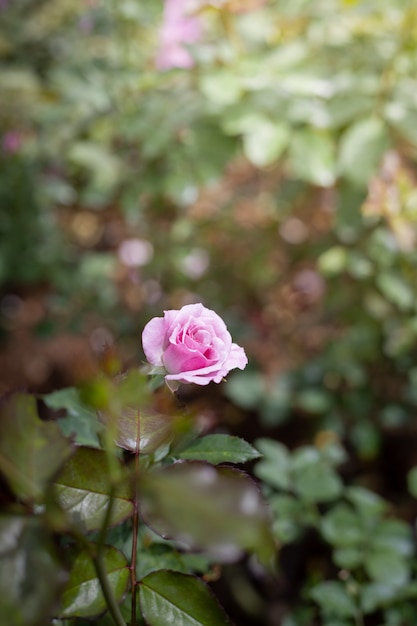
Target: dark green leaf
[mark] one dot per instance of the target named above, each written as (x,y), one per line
(366,437)
(314,479)
(219,448)
(82,490)
(412,482)
(157,556)
(395,535)
(246,389)
(368,504)
(318,483)
(219,509)
(289,517)
(391,545)
(348,558)
(377,595)
(333,453)
(31,450)
(31,577)
(334,599)
(384,565)
(315,401)
(275,467)
(81,421)
(83,596)
(174,599)
(341,527)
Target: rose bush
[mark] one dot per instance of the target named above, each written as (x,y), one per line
(193,345)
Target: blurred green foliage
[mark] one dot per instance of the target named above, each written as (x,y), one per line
(274,179)
(370,567)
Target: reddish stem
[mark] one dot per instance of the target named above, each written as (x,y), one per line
(133,581)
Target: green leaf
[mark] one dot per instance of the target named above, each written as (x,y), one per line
(289,517)
(377,595)
(101,164)
(395,535)
(312,157)
(31,576)
(366,438)
(82,490)
(157,556)
(333,599)
(173,599)
(342,528)
(391,546)
(274,468)
(412,482)
(369,505)
(361,150)
(348,558)
(246,389)
(384,565)
(314,479)
(396,290)
(218,509)
(403,118)
(333,453)
(31,450)
(276,401)
(334,261)
(81,422)
(83,596)
(219,448)
(222,88)
(264,141)
(314,401)
(345,106)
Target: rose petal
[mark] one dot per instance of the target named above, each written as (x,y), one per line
(153,340)
(202,336)
(237,358)
(179,358)
(182,317)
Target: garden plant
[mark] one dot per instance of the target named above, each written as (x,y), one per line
(159,161)
(148,475)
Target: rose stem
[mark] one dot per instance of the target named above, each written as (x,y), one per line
(133,559)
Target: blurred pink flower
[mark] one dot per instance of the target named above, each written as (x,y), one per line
(135,252)
(179,28)
(196,263)
(11,141)
(86,23)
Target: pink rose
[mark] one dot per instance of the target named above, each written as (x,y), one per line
(193,345)
(179,28)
